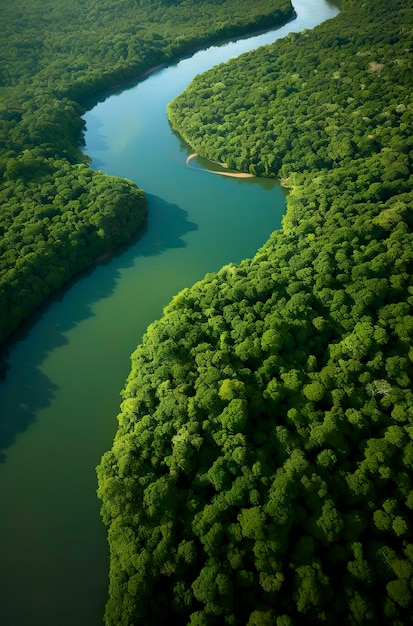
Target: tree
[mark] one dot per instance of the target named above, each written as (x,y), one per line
(261,618)
(213,587)
(234,417)
(314,391)
(312,589)
(329,524)
(252,522)
(378,387)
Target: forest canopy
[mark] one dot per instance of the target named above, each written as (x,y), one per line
(55,56)
(261,473)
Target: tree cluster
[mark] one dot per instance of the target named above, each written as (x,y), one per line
(73,217)
(54,56)
(313,101)
(261,473)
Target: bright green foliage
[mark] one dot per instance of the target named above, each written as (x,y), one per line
(56,215)
(264,454)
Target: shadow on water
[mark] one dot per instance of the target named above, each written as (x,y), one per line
(96,139)
(168,224)
(24,388)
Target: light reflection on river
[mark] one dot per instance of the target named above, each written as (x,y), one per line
(66,368)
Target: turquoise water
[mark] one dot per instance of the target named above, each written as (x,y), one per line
(66,368)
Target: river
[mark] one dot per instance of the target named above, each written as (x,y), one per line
(67,366)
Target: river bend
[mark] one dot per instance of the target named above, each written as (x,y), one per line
(67,366)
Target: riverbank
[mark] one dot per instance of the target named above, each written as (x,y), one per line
(267,417)
(61,393)
(224,165)
(81,62)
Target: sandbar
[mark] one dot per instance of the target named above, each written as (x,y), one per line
(232,174)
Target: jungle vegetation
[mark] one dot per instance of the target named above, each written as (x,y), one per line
(57,215)
(261,473)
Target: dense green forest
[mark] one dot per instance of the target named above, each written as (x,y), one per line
(262,469)
(57,216)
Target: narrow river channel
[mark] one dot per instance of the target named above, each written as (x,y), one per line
(66,368)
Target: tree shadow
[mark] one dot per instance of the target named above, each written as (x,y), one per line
(24,388)
(96,139)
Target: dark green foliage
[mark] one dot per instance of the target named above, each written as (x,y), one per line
(56,214)
(262,469)
(74,216)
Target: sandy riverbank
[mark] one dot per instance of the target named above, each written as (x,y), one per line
(232,174)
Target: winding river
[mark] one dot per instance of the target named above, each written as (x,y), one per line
(66,368)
